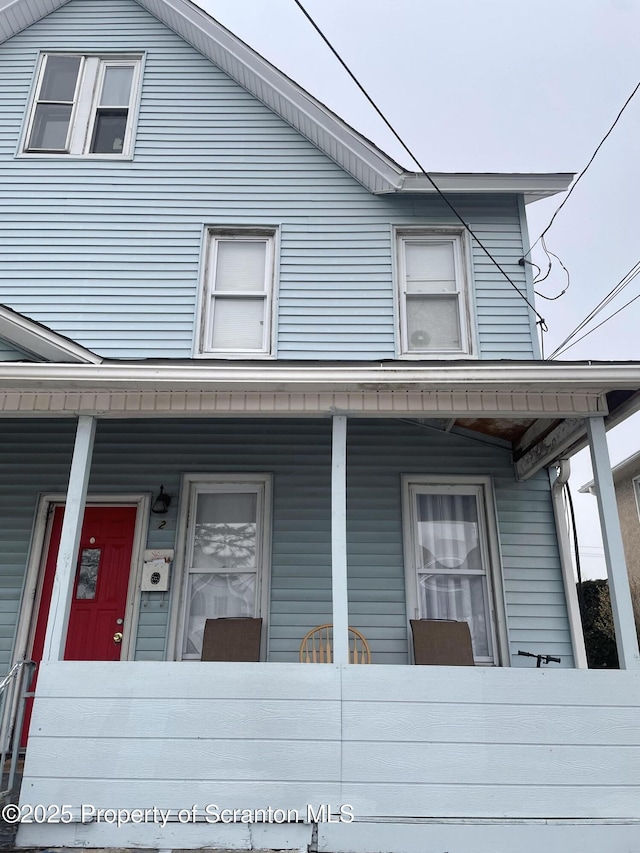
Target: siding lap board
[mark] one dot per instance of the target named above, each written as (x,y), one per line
(98,250)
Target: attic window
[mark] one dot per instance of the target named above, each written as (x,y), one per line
(433,290)
(84,105)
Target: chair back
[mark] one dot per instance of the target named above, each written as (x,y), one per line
(441,642)
(235,639)
(317,646)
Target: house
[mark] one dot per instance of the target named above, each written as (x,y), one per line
(626,480)
(266,369)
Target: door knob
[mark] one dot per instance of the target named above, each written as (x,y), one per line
(117,637)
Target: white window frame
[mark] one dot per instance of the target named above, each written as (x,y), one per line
(86,104)
(464,291)
(193,485)
(209,295)
(481,487)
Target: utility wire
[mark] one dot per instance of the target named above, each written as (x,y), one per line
(583,172)
(541,319)
(606,320)
(546,275)
(613,293)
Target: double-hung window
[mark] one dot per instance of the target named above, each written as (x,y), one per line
(226,553)
(433,293)
(236,306)
(451,556)
(84,105)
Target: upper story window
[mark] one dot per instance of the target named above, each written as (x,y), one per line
(84,106)
(235,316)
(433,293)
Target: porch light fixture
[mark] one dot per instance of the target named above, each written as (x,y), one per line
(161,503)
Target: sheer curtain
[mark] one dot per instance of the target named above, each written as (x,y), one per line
(451,575)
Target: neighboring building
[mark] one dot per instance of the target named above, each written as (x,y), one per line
(626,478)
(213,285)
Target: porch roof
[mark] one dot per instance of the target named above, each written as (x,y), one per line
(538,407)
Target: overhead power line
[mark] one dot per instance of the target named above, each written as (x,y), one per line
(584,171)
(541,319)
(613,293)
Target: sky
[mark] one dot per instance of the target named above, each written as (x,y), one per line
(497,86)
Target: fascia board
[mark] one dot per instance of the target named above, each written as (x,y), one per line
(596,379)
(41,342)
(533,186)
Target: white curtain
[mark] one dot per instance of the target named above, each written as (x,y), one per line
(451,575)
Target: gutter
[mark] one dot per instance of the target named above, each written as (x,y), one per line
(500,378)
(573,608)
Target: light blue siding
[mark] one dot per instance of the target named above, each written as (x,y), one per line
(136,456)
(108,253)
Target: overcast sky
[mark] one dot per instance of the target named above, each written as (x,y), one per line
(497,85)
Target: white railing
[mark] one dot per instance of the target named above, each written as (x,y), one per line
(13,696)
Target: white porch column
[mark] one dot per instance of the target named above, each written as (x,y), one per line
(626,639)
(55,638)
(339,594)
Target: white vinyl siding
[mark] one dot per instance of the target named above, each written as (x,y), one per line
(449,571)
(236,307)
(84,106)
(224,557)
(432,294)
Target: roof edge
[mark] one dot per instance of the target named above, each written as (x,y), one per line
(532,185)
(41,341)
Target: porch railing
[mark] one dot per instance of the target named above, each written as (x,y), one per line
(13,696)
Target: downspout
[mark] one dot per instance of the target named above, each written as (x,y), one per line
(573,610)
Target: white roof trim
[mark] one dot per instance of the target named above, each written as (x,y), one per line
(349,149)
(533,186)
(36,339)
(594,380)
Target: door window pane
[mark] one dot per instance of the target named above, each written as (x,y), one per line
(462,598)
(211,596)
(225,531)
(88,573)
(452,582)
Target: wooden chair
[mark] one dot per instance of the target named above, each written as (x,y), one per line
(317,646)
(441,642)
(234,639)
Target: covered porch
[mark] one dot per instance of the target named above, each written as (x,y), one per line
(411,750)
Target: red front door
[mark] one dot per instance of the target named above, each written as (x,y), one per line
(99,599)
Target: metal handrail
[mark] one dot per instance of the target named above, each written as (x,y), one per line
(13,696)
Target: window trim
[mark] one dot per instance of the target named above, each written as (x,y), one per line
(85,105)
(459,484)
(188,490)
(204,315)
(464,290)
